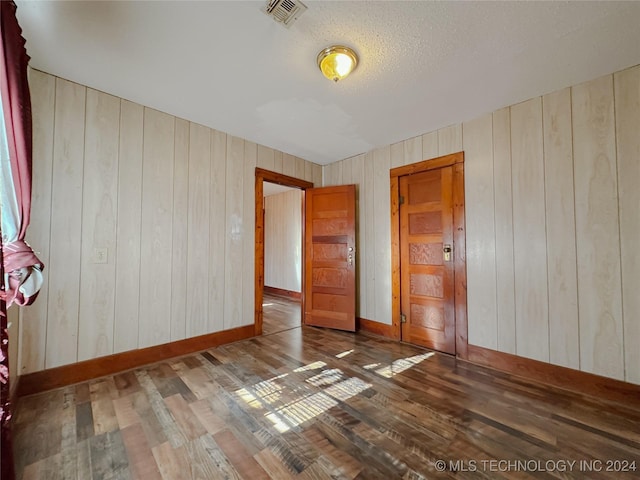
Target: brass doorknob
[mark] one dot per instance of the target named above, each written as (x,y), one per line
(446,249)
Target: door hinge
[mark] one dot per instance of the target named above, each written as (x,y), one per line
(403,318)
(401,200)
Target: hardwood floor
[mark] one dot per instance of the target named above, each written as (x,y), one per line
(279,313)
(310,403)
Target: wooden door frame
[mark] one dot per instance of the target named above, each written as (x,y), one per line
(263,175)
(460,270)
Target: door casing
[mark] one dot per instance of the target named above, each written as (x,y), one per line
(273,177)
(460,271)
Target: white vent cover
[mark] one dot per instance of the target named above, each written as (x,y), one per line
(284,11)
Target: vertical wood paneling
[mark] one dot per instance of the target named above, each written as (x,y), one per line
(217,235)
(66,216)
(152,190)
(300,168)
(413,150)
(503,202)
(333,174)
(369,238)
(561,233)
(249,231)
(337,174)
(157,216)
(234,232)
(317,175)
(34,319)
(152,205)
(128,228)
(597,229)
(627,97)
(346,173)
(480,223)
(197,313)
(288,164)
(382,233)
(397,154)
(277,161)
(308,171)
(530,244)
(266,158)
(450,139)
(99,211)
(180,229)
(326,174)
(429,145)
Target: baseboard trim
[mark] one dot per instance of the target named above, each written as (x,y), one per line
(99,367)
(374,328)
(283,293)
(603,388)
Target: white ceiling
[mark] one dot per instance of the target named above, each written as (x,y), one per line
(423,65)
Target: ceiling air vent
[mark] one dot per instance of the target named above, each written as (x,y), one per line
(284,11)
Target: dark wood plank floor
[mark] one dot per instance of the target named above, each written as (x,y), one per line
(279,313)
(309,403)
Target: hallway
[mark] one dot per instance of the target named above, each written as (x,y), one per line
(279,313)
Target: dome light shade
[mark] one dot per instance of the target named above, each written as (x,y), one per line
(337,62)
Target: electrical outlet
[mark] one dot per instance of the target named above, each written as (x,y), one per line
(100,255)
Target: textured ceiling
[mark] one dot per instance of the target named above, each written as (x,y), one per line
(423,65)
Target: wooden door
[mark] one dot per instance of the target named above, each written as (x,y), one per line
(427,270)
(330,280)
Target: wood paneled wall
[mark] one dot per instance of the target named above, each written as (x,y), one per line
(145,223)
(370,173)
(283,240)
(552,202)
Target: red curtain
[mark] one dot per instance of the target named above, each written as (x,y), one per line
(16,106)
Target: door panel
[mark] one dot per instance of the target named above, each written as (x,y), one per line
(330,281)
(427,278)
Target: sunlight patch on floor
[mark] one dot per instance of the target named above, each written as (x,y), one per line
(307,408)
(311,366)
(337,387)
(344,354)
(347,389)
(326,377)
(267,391)
(402,364)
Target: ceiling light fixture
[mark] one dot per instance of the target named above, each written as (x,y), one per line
(336,62)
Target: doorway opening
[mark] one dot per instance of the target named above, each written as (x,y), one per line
(284,267)
(282,210)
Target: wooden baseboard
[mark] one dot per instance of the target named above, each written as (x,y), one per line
(283,293)
(603,388)
(375,328)
(99,367)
